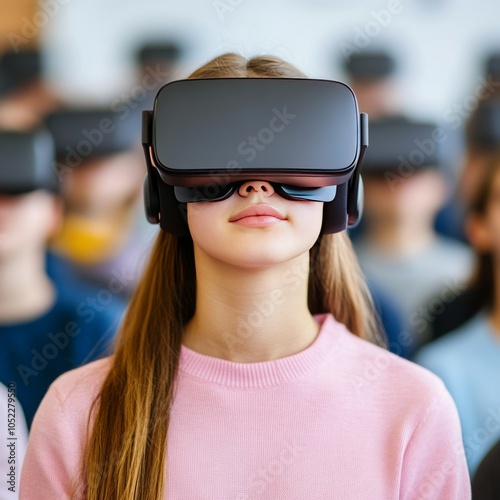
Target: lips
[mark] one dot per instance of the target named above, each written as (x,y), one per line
(258,211)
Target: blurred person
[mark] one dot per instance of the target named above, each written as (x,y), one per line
(14,435)
(468,359)
(482,138)
(492,67)
(371,75)
(102,176)
(158,63)
(25,95)
(189,408)
(391,320)
(49,323)
(486,480)
(483,141)
(399,249)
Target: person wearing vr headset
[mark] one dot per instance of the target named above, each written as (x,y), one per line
(248,365)
(25,95)
(102,234)
(400,250)
(467,359)
(483,142)
(50,322)
(372,76)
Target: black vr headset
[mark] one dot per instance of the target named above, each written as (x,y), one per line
(397,142)
(80,134)
(205,137)
(370,66)
(26,162)
(18,69)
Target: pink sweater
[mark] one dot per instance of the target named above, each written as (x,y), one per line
(342,419)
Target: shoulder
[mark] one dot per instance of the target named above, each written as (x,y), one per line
(384,370)
(88,314)
(72,394)
(452,247)
(59,433)
(455,346)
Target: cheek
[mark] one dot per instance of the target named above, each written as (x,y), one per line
(308,221)
(202,221)
(26,225)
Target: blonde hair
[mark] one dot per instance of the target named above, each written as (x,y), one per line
(125,457)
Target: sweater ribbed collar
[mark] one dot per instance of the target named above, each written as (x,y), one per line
(266,373)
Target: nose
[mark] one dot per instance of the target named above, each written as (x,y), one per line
(263,187)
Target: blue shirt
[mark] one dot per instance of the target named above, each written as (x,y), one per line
(77,329)
(468,361)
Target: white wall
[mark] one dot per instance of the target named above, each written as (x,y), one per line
(440,42)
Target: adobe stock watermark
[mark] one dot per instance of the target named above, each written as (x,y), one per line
(263,308)
(487,434)
(245,327)
(433,482)
(222,7)
(248,149)
(363,36)
(91,139)
(372,370)
(427,313)
(455,115)
(31,27)
(152,80)
(459,112)
(88,310)
(424,148)
(265,476)
(84,148)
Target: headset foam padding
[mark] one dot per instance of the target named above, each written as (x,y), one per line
(152,197)
(335,212)
(173,214)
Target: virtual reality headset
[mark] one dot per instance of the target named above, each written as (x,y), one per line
(26,162)
(154,52)
(397,142)
(82,134)
(18,69)
(370,66)
(206,136)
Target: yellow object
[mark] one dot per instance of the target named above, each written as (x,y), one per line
(86,240)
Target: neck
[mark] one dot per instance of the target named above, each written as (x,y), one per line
(401,238)
(25,290)
(251,315)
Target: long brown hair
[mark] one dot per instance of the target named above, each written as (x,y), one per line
(125,457)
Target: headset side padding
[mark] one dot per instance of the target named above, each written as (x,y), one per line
(152,197)
(335,212)
(173,216)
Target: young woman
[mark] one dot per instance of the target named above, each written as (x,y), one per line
(246,368)
(468,359)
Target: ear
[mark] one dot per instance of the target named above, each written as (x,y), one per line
(478,233)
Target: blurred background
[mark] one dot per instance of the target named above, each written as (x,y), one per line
(74,77)
(89,46)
